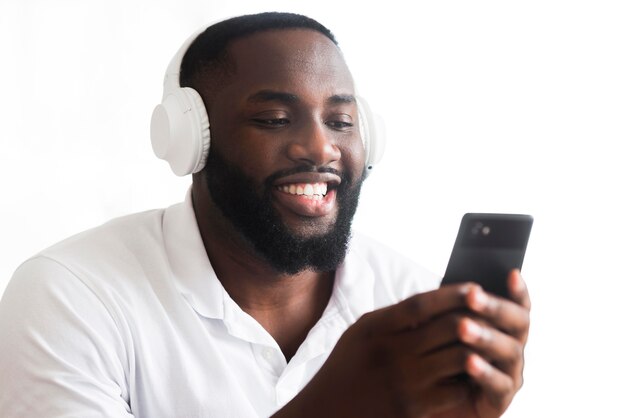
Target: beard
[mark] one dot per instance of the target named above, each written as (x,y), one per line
(253,215)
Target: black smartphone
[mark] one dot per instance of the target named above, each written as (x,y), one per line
(487,247)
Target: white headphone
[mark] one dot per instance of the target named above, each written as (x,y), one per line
(179,129)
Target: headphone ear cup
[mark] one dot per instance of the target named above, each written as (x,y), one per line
(372,130)
(179,131)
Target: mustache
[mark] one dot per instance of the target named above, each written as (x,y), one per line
(305,169)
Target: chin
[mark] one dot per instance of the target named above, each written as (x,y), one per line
(304,227)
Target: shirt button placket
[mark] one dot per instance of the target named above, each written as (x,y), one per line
(268,354)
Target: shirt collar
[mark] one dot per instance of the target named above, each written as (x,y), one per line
(353,293)
(193,274)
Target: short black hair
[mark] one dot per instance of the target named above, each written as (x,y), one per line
(207,54)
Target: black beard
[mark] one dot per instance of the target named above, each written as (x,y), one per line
(254,216)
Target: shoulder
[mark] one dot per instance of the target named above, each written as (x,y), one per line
(394,273)
(87,282)
(117,235)
(122,244)
(108,261)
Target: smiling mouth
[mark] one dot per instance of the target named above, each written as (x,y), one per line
(314,191)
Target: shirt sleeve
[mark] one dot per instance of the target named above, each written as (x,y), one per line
(61,351)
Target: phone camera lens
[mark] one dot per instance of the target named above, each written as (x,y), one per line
(485,230)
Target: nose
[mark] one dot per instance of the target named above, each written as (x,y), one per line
(314,145)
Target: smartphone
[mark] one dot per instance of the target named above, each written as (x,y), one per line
(487,247)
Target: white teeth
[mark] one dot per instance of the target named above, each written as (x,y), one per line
(311,190)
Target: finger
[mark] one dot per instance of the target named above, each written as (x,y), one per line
(497,386)
(418,309)
(436,367)
(439,398)
(439,332)
(509,316)
(518,289)
(505,351)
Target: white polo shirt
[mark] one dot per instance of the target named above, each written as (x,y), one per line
(129,319)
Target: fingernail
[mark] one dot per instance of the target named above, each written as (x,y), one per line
(479,300)
(476,365)
(472,330)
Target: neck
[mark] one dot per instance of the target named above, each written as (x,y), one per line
(287,306)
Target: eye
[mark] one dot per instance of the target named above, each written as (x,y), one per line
(271,122)
(340,125)
(341,122)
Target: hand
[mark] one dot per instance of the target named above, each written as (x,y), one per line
(400,361)
(498,339)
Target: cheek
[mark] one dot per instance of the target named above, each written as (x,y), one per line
(353,156)
(254,157)
(255,162)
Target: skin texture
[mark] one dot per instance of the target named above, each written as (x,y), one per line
(288,105)
(404,360)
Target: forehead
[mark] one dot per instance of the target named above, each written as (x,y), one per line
(289,59)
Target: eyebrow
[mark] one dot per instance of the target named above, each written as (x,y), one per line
(289,98)
(341,99)
(272,96)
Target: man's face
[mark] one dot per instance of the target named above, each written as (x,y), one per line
(286,159)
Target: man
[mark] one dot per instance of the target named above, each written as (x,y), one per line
(251,298)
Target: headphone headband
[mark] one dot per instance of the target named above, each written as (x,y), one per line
(172,74)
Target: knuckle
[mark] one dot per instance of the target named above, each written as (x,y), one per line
(510,386)
(503,396)
(519,375)
(518,352)
(520,381)
(526,319)
(496,307)
(514,359)
(502,403)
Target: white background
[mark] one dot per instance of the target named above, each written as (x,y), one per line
(494,106)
